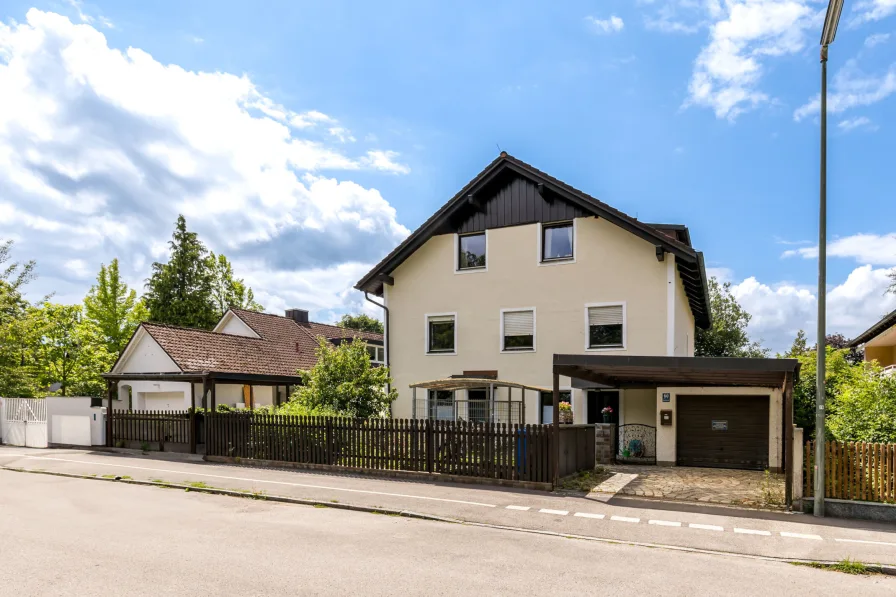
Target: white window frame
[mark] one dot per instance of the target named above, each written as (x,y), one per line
(575,242)
(472,270)
(426,319)
(378,350)
(534,331)
(624,327)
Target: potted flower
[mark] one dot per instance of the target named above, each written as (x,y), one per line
(565,412)
(607,412)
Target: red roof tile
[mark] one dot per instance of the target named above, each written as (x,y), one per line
(284,346)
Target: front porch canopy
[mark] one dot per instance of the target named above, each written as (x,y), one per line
(616,371)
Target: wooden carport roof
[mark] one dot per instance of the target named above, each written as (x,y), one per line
(649,371)
(462,383)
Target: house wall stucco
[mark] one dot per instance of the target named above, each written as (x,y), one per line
(611,265)
(884,355)
(146,356)
(638,407)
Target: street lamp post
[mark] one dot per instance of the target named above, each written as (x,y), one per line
(831,20)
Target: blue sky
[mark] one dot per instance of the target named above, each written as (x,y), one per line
(304,140)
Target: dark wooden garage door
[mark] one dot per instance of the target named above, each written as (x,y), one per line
(723,431)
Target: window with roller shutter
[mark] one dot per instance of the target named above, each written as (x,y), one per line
(606,326)
(518,330)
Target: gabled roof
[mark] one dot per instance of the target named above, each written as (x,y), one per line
(283,347)
(876,330)
(667,240)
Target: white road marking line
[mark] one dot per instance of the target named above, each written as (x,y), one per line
(706,527)
(863,541)
(664,523)
(557,512)
(589,515)
(752,532)
(305,485)
(624,519)
(800,536)
(521,508)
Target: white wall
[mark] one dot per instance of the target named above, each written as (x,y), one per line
(611,265)
(146,356)
(75,408)
(231,324)
(666,448)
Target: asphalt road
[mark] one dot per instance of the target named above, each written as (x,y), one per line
(781,535)
(63,536)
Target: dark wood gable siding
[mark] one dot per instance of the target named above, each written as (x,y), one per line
(515,202)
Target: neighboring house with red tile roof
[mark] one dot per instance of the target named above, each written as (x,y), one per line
(249,358)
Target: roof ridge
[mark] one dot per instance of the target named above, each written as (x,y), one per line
(279,317)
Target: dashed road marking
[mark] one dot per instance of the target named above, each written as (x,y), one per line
(520,508)
(705,527)
(624,519)
(752,532)
(863,541)
(664,523)
(800,536)
(557,512)
(589,515)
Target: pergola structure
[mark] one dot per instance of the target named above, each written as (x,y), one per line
(208,379)
(451,384)
(613,371)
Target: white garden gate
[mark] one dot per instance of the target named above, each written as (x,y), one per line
(26,422)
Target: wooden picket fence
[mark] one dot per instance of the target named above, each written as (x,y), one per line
(152,426)
(490,450)
(854,471)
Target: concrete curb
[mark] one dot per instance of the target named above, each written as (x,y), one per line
(876,568)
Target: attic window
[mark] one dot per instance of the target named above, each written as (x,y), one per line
(557,242)
(471,251)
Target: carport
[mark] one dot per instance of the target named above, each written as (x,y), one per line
(704,406)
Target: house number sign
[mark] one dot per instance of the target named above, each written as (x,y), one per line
(667,397)
(720,425)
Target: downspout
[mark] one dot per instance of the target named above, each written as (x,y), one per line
(385,338)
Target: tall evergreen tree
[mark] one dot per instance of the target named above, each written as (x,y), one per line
(113,308)
(180,292)
(229,291)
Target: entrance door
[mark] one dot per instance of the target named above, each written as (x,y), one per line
(600,399)
(723,431)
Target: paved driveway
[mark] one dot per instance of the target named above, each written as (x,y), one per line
(752,489)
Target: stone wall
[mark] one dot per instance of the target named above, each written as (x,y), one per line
(604,443)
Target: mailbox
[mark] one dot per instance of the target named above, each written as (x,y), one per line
(665,417)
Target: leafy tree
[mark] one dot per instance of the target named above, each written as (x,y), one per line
(864,407)
(727,337)
(180,291)
(113,308)
(361,322)
(227,290)
(16,378)
(69,350)
(839,342)
(839,371)
(343,381)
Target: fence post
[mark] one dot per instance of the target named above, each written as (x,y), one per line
(329,440)
(193,429)
(427,423)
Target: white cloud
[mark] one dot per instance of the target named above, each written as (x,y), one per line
(872,10)
(385,161)
(679,16)
(100,149)
(343,134)
(851,124)
(852,88)
(613,24)
(874,249)
(743,35)
(876,39)
(779,311)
